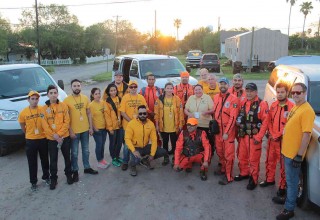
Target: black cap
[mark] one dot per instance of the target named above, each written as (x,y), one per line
(252,86)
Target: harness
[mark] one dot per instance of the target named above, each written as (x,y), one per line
(249,122)
(192,147)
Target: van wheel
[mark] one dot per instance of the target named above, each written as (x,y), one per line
(302,199)
(3,151)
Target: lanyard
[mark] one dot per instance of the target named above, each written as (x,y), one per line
(34,120)
(80,107)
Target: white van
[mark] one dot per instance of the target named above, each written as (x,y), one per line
(164,68)
(15,83)
(309,74)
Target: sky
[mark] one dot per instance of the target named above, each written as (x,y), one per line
(272,14)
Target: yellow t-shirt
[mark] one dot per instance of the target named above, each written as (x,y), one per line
(200,105)
(129,105)
(204,84)
(300,120)
(168,115)
(32,120)
(97,112)
(211,92)
(78,106)
(120,90)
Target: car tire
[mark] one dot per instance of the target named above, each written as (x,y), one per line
(302,199)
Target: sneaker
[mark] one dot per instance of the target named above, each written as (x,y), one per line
(53,184)
(279,200)
(104,161)
(119,160)
(116,163)
(146,163)
(69,179)
(102,165)
(188,170)
(266,183)
(90,171)
(124,166)
(239,177)
(34,187)
(251,185)
(281,192)
(75,176)
(224,181)
(285,215)
(203,175)
(166,161)
(47,181)
(133,171)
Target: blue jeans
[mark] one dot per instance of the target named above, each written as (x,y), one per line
(115,143)
(292,178)
(100,138)
(84,139)
(126,152)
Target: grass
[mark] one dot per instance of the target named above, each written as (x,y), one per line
(50,69)
(102,77)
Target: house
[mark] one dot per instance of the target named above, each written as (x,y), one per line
(267,45)
(223,36)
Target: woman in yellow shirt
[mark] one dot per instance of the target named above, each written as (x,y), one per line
(99,126)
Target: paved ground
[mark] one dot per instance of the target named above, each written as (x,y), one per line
(114,194)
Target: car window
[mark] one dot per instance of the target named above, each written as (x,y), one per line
(116,64)
(313,95)
(161,68)
(194,53)
(19,82)
(210,57)
(134,68)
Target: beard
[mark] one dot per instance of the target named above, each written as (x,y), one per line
(76,92)
(281,100)
(143,119)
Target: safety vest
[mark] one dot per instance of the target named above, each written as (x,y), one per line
(192,147)
(249,122)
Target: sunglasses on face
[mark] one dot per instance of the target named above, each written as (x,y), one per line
(296,92)
(142,113)
(133,87)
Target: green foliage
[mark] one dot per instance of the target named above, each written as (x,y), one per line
(102,77)
(50,69)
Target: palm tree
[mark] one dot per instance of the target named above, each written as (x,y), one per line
(292,2)
(177,24)
(305,9)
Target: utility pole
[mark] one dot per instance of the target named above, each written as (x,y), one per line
(155,31)
(37,30)
(115,45)
(319,27)
(251,50)
(219,25)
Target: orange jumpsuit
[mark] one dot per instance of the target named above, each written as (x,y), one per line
(277,120)
(226,116)
(184,161)
(241,94)
(183,92)
(249,153)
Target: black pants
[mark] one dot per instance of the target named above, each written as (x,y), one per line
(33,147)
(146,151)
(165,140)
(210,138)
(53,152)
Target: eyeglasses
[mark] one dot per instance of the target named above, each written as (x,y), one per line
(133,87)
(142,113)
(296,92)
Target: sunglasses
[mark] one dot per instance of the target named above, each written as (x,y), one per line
(133,87)
(142,113)
(296,92)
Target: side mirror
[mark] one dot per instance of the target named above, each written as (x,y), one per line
(61,84)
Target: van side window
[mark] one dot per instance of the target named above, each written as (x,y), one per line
(116,64)
(273,78)
(134,69)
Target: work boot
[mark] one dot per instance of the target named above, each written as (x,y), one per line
(218,172)
(53,184)
(203,175)
(224,181)
(252,185)
(90,171)
(124,166)
(69,179)
(166,160)
(266,183)
(133,171)
(285,215)
(188,170)
(281,192)
(239,177)
(75,176)
(146,163)
(279,200)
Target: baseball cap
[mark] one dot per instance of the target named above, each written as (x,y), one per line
(224,79)
(118,73)
(192,121)
(237,76)
(31,93)
(132,82)
(252,86)
(184,74)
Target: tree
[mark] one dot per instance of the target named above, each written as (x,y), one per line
(195,39)
(292,2)
(177,24)
(305,9)
(5,32)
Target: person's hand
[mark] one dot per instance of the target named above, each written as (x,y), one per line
(151,114)
(111,132)
(151,158)
(91,131)
(205,164)
(95,129)
(73,135)
(190,115)
(206,113)
(296,162)
(60,140)
(56,137)
(225,137)
(176,167)
(136,154)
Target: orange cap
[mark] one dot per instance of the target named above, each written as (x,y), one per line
(184,74)
(192,121)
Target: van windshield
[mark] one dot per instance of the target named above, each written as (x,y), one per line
(19,82)
(313,96)
(161,68)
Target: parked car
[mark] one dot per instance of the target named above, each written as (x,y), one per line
(15,83)
(308,74)
(211,62)
(193,59)
(164,68)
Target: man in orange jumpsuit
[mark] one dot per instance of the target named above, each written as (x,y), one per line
(192,147)
(253,123)
(184,90)
(278,114)
(237,89)
(225,112)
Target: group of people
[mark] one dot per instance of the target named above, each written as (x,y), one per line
(197,120)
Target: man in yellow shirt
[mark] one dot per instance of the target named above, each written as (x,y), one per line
(139,133)
(80,128)
(204,73)
(29,119)
(295,141)
(129,110)
(212,89)
(55,122)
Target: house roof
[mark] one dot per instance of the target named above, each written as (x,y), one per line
(226,34)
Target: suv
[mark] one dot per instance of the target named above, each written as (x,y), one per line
(164,68)
(309,75)
(193,59)
(211,62)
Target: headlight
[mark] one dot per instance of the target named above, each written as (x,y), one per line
(8,115)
